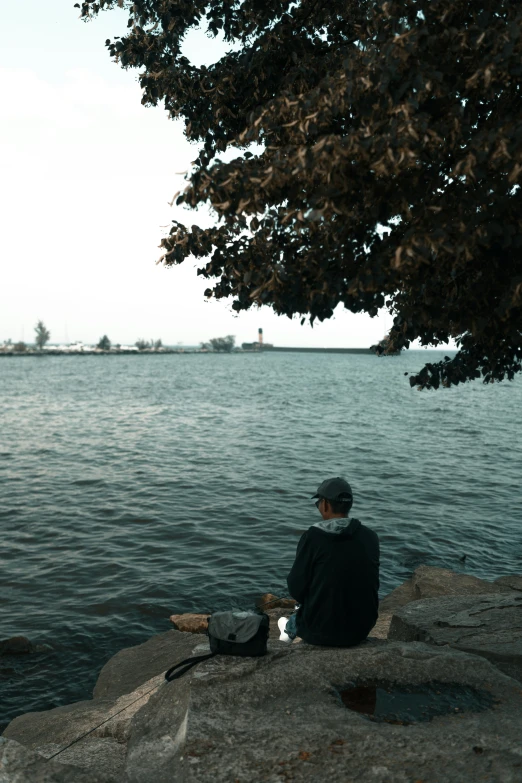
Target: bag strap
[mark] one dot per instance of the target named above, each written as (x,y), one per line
(188,663)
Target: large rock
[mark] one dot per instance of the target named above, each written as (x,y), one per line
(155,747)
(431,582)
(20,765)
(276,718)
(103,751)
(16,645)
(486,625)
(399,597)
(132,666)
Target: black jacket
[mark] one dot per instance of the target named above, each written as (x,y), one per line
(335,577)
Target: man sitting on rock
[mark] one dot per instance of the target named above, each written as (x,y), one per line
(335,576)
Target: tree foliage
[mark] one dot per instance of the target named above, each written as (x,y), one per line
(42,335)
(386,347)
(143,345)
(401,113)
(148,345)
(220,344)
(104,343)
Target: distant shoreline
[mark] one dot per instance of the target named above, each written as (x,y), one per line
(163,351)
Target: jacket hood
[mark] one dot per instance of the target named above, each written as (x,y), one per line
(341,526)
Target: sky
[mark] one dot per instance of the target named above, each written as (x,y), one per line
(86,177)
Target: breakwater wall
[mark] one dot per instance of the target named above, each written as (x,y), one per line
(289,349)
(317,350)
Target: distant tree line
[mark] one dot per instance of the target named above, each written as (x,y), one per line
(143,345)
(104,344)
(43,335)
(18,347)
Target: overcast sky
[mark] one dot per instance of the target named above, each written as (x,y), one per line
(86,174)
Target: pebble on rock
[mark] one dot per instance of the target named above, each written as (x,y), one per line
(190,622)
(274,602)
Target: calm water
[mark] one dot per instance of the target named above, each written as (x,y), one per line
(132,487)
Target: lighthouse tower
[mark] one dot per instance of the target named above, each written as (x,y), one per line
(260,337)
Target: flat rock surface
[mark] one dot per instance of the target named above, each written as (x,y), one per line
(20,765)
(513,582)
(102,756)
(487,625)
(277,718)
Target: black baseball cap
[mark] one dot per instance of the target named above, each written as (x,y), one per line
(334,489)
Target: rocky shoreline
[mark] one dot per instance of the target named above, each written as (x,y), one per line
(276,718)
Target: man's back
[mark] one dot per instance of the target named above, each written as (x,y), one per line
(335,577)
